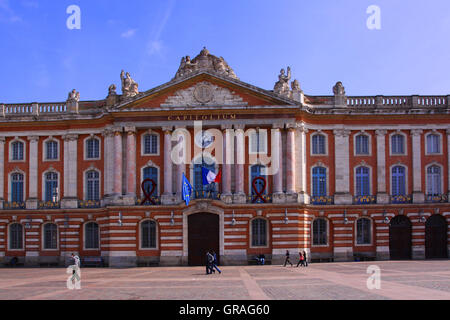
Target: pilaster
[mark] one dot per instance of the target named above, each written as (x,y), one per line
(342,167)
(418,194)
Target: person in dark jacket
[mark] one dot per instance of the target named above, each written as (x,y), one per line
(287,259)
(209,262)
(214,263)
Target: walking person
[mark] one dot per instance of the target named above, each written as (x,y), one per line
(287,259)
(306,260)
(214,263)
(301,260)
(209,260)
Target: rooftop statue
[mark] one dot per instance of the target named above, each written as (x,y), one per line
(129,86)
(339,89)
(282,85)
(74,96)
(204,62)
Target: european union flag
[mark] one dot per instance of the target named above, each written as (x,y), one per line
(186,190)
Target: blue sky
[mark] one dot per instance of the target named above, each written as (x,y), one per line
(323,41)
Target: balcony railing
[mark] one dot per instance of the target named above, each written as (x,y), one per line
(364,199)
(399,199)
(14,205)
(89,204)
(154,201)
(436,198)
(264,198)
(206,194)
(49,205)
(322,200)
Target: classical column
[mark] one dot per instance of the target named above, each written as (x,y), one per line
(70,199)
(278,195)
(168,197)
(227,154)
(118,170)
(108,134)
(239,194)
(382,195)
(303,196)
(418,195)
(342,167)
(32,199)
(448,160)
(2,171)
(291,174)
(131,165)
(181,166)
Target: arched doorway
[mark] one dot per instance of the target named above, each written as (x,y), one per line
(436,237)
(203,235)
(400,238)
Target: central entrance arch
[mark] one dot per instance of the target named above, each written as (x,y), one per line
(203,236)
(400,238)
(436,237)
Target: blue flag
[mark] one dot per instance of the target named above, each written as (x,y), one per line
(186,190)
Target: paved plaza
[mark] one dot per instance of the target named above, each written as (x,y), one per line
(399,280)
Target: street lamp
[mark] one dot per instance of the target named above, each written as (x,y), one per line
(233,220)
(345,217)
(286,219)
(421,216)
(386,218)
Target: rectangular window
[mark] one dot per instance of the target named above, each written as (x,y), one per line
(151,144)
(258,141)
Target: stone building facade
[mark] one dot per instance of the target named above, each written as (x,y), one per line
(337,176)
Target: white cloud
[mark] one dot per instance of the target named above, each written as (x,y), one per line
(129,33)
(7,14)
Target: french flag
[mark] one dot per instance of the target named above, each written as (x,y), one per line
(210,177)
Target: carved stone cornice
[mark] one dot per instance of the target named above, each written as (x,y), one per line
(380,132)
(448,131)
(301,128)
(108,132)
(342,133)
(33,138)
(278,126)
(416,132)
(130,130)
(226,127)
(167,129)
(70,137)
(2,139)
(239,126)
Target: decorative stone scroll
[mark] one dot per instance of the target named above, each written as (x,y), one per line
(204,93)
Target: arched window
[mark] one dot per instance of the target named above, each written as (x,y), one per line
(92,148)
(397,144)
(151,173)
(91,235)
(319,182)
(17,187)
(92,185)
(261,186)
(362,181)
(151,144)
(17,151)
(320,232)
(259,233)
(433,144)
(362,144)
(398,181)
(50,236)
(16,236)
(198,178)
(51,149)
(318,144)
(51,187)
(148,234)
(363,231)
(434,181)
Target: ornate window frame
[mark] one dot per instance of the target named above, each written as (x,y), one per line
(328,233)
(44,150)
(327,173)
(84,236)
(263,136)
(371,232)
(158,143)
(365,165)
(158,182)
(441,167)
(437,133)
(92,168)
(85,151)
(43,236)
(9,236)
(405,143)
(251,233)
(10,156)
(369,144)
(311,149)
(50,170)
(17,170)
(156,248)
(399,164)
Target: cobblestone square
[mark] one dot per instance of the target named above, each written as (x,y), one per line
(327,281)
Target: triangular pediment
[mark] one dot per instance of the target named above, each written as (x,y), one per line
(204,90)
